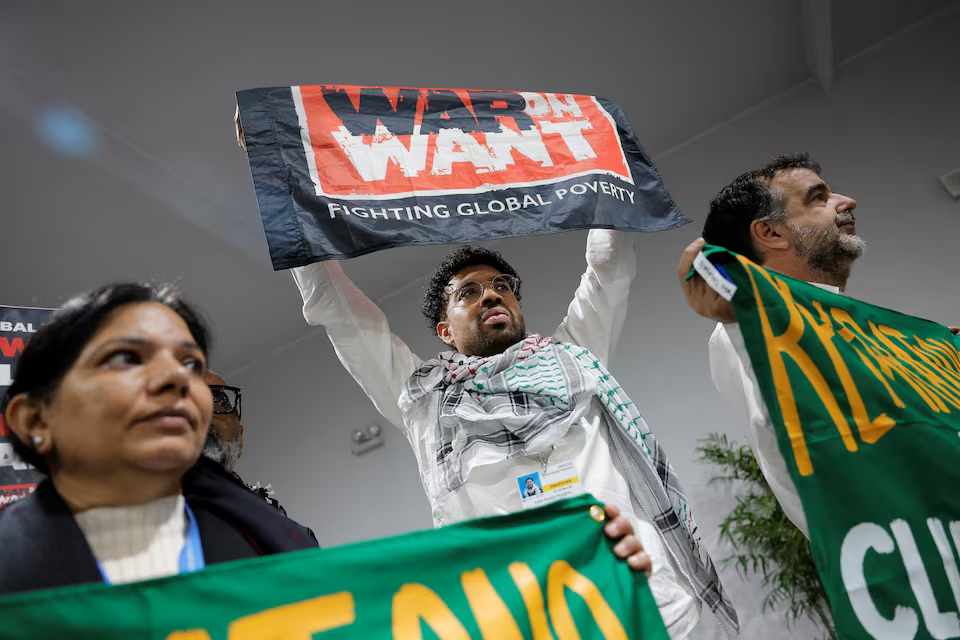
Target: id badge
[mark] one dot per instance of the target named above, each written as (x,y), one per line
(544,487)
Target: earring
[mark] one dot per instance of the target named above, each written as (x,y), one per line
(37,441)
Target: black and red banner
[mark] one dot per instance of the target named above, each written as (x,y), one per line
(343,170)
(17,325)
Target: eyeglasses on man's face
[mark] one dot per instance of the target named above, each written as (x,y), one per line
(470,292)
(225,399)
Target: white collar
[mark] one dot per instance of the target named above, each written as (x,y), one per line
(827,287)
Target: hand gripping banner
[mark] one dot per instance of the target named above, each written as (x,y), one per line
(866,406)
(547,573)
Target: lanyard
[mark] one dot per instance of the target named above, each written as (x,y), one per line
(191,556)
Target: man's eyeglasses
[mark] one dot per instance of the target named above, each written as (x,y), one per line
(470,292)
(225,399)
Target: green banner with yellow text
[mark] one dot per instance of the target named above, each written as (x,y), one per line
(542,574)
(866,405)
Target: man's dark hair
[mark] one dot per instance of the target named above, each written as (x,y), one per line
(435,298)
(746,199)
(55,347)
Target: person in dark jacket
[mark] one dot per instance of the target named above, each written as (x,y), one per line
(224,443)
(110,401)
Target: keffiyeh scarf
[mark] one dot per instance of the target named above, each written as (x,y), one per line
(522,401)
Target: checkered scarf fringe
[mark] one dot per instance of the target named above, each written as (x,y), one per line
(523,400)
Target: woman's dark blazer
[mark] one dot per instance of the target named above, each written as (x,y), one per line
(41,545)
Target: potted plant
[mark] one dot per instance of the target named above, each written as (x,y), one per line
(764,540)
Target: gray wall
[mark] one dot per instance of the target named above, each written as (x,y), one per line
(884,133)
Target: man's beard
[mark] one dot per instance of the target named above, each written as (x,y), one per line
(827,249)
(491,342)
(224,452)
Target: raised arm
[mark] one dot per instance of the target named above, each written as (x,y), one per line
(377,359)
(599,307)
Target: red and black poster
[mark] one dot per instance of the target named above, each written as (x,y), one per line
(17,325)
(341,171)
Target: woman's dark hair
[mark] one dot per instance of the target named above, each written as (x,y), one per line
(55,347)
(435,298)
(746,199)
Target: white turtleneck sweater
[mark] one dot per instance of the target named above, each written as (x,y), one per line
(137,542)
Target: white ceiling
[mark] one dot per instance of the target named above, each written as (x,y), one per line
(166,194)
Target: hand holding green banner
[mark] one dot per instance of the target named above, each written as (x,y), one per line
(866,406)
(541,574)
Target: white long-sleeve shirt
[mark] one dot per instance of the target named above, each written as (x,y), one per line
(734,378)
(381,363)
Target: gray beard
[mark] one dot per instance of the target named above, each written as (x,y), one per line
(827,249)
(225,453)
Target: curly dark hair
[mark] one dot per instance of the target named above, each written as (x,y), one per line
(746,199)
(435,297)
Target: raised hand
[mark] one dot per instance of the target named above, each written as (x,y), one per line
(701,298)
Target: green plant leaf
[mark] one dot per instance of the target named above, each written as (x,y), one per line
(764,541)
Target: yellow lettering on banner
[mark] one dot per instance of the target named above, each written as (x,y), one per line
(933,358)
(493,616)
(529,587)
(193,634)
(415,602)
(946,351)
(939,387)
(561,577)
(787,344)
(951,349)
(870,430)
(297,621)
(940,359)
(845,321)
(939,363)
(887,363)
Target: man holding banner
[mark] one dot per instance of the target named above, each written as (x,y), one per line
(859,406)
(505,404)
(784,217)
(343,170)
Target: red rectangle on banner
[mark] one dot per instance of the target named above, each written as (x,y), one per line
(12,492)
(369,142)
